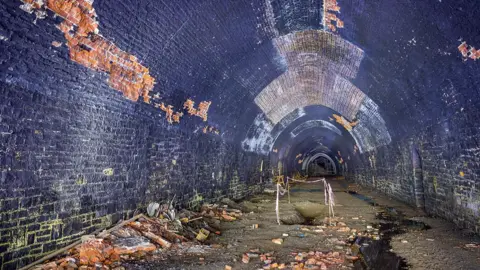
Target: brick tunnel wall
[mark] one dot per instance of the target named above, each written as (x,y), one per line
(76,156)
(69,168)
(450,166)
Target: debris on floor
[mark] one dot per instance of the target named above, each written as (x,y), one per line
(277,241)
(220,212)
(223,236)
(302,260)
(472,245)
(147,238)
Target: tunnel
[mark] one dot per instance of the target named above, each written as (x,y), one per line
(113,109)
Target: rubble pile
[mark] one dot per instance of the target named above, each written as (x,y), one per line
(317,260)
(220,212)
(145,238)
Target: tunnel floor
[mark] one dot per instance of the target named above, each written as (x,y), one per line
(369,231)
(434,245)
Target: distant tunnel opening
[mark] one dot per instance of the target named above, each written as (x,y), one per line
(322,165)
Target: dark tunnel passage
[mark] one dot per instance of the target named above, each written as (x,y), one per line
(109,106)
(321,165)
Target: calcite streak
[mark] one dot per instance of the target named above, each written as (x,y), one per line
(90,49)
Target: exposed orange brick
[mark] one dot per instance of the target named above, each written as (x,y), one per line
(329,7)
(344,122)
(176,117)
(189,106)
(463,48)
(474,54)
(210,129)
(468,51)
(168,110)
(202,110)
(90,49)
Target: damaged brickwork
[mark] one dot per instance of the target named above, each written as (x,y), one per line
(88,48)
(330,7)
(76,156)
(343,122)
(468,51)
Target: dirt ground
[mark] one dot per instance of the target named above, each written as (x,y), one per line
(440,247)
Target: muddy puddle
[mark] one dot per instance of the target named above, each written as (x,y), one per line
(375,253)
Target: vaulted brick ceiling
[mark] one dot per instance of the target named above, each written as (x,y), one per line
(109,105)
(270,66)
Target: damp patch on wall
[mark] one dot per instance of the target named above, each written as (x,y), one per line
(261,135)
(258,137)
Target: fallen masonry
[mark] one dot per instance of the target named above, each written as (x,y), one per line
(143,237)
(365,234)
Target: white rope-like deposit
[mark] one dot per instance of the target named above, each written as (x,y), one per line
(305,181)
(276,205)
(327,188)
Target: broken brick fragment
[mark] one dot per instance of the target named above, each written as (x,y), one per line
(130,245)
(95,250)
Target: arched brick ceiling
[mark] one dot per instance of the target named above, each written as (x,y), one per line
(260,62)
(314,124)
(319,65)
